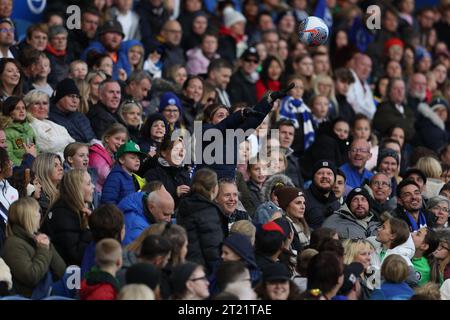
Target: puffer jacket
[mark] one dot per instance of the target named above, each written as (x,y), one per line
(17,135)
(136,219)
(99,285)
(206,229)
(30,262)
(349,227)
(117,186)
(63,226)
(101,160)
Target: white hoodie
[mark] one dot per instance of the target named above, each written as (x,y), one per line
(406,250)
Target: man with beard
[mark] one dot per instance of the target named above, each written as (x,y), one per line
(81,38)
(355,170)
(353,219)
(111,36)
(104,113)
(321,201)
(409,208)
(7,39)
(227,199)
(417,86)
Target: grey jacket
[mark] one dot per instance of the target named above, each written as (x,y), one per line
(349,227)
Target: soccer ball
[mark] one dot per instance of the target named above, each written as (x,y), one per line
(313,31)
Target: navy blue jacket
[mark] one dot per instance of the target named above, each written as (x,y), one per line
(233,121)
(76,123)
(118,185)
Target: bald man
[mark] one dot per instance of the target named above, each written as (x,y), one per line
(142,209)
(354,169)
(359,94)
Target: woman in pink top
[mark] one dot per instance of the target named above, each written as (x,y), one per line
(101,155)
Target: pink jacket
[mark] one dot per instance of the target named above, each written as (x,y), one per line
(197,62)
(100,159)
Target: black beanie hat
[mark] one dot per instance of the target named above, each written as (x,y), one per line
(65,88)
(355,192)
(180,275)
(324,164)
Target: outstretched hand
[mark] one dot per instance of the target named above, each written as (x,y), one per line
(280,94)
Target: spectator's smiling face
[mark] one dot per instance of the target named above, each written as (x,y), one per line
(227,198)
(171,113)
(194,90)
(10,75)
(324,179)
(388,166)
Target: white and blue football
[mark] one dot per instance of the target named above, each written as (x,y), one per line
(313,31)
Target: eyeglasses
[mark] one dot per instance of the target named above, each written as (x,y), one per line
(441,208)
(6,30)
(360,150)
(73,96)
(381,184)
(204,278)
(440,247)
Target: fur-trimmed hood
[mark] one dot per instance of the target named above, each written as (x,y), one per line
(425,110)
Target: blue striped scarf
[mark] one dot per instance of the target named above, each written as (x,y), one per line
(290,108)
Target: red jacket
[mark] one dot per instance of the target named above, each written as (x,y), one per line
(98,285)
(261,88)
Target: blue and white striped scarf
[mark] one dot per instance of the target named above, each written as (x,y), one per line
(289,109)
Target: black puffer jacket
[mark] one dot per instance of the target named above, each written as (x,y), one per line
(206,229)
(63,226)
(171,177)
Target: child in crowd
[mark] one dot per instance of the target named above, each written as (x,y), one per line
(20,136)
(319,109)
(100,283)
(362,129)
(257,170)
(393,238)
(76,155)
(122,179)
(40,79)
(78,70)
(425,242)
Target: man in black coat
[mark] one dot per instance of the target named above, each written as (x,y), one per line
(321,201)
(104,113)
(242,86)
(79,39)
(286,131)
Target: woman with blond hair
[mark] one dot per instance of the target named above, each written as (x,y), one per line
(30,255)
(324,85)
(48,168)
(130,114)
(67,221)
(360,250)
(94,78)
(50,136)
(433,171)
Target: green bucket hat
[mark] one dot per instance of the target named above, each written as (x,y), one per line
(129,147)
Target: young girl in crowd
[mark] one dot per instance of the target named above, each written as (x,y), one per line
(257,171)
(442,255)
(319,108)
(323,85)
(122,180)
(101,155)
(426,242)
(20,136)
(76,155)
(66,223)
(170,169)
(48,168)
